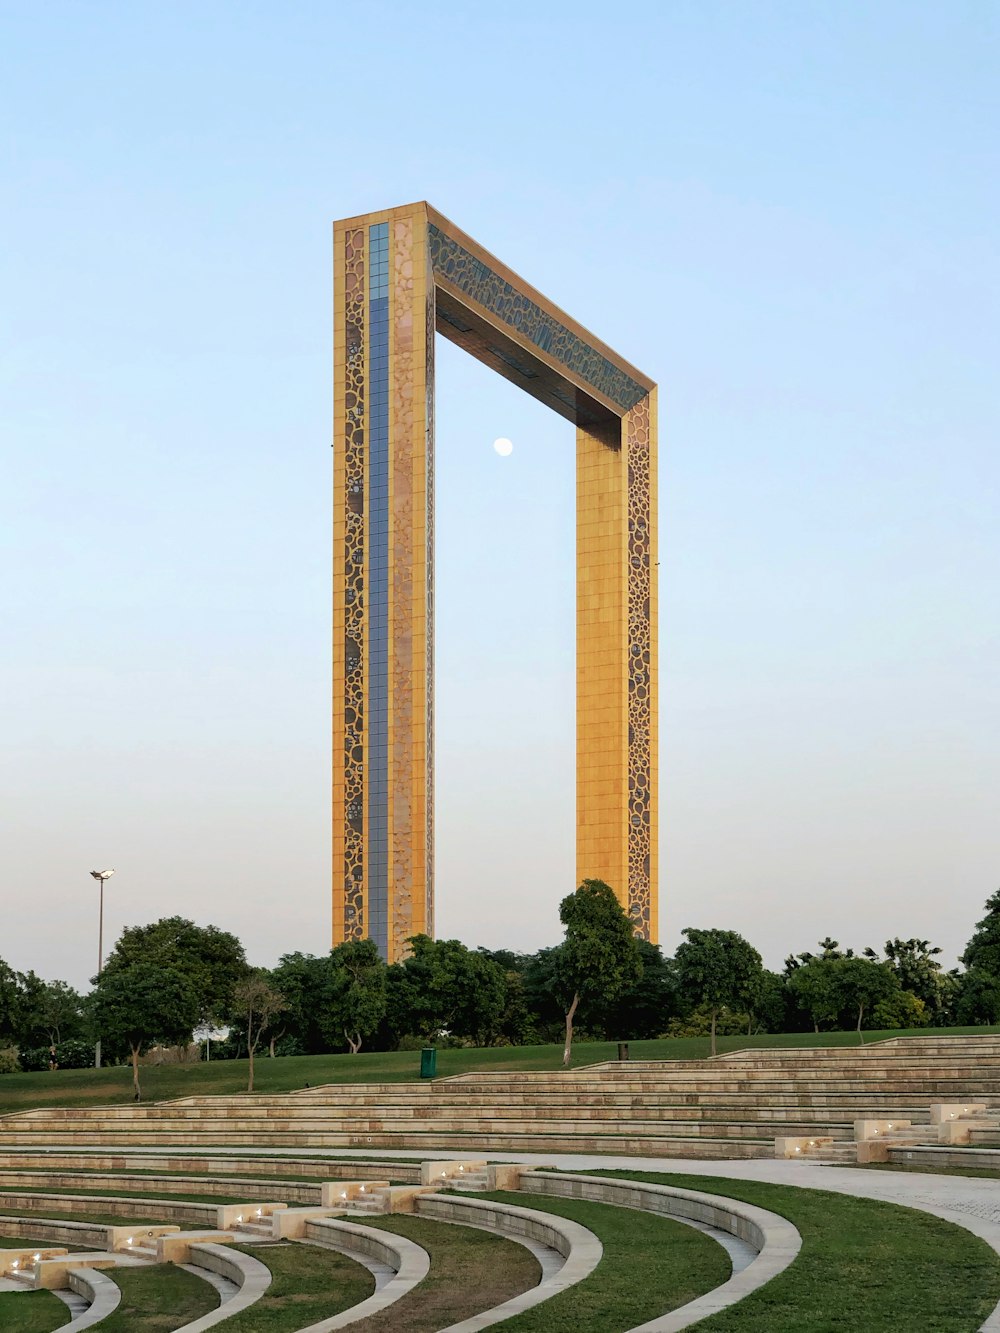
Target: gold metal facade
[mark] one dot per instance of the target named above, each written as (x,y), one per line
(399,275)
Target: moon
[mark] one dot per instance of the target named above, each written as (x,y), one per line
(503,446)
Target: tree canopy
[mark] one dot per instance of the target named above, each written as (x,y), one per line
(358,992)
(718,969)
(142,1004)
(211,960)
(598,958)
(983,950)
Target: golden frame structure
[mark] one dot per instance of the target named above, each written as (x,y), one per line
(400,275)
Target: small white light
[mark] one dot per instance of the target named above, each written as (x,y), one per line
(16,1263)
(240,1218)
(461,1168)
(503,446)
(798,1149)
(258,1212)
(362,1190)
(36,1258)
(129,1241)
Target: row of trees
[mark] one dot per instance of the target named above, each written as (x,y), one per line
(165,980)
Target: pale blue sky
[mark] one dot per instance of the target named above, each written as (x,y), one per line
(785,213)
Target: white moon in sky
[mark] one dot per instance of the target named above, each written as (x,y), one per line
(504,447)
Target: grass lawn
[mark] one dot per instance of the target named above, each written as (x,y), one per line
(650,1265)
(31,1312)
(158,1299)
(980,1172)
(864,1265)
(470,1271)
(112,1085)
(308,1284)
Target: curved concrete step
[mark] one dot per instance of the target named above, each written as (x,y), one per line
(251,1277)
(580,1248)
(775,1239)
(102,1295)
(410,1262)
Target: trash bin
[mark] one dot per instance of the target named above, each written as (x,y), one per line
(428,1062)
(623,1050)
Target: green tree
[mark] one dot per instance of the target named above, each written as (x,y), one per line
(52,1012)
(142,1004)
(514,1025)
(829,949)
(766,1004)
(357,1003)
(646,1006)
(814,988)
(599,958)
(861,983)
(211,959)
(10,1004)
(982,953)
(304,980)
(718,969)
(978,997)
(256,1003)
(902,1010)
(914,963)
(445,987)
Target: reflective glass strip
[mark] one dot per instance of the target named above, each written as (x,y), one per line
(378,586)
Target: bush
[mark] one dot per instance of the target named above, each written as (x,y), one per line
(75,1054)
(72,1054)
(443,1041)
(288,1046)
(233,1047)
(8,1060)
(902,1010)
(699,1024)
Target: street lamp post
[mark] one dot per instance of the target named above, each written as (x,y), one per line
(100,876)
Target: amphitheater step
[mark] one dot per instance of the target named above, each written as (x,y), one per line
(842,1153)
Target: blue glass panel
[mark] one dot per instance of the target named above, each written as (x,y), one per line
(378,586)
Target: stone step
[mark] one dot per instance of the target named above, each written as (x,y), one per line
(841,1154)
(623,1142)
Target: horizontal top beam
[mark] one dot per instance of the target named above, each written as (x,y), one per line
(485,307)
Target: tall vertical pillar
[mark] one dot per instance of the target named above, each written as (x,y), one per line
(602,749)
(382,639)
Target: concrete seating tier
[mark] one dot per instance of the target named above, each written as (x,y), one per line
(324,1168)
(727,1107)
(400,1265)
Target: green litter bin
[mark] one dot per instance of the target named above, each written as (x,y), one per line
(428,1062)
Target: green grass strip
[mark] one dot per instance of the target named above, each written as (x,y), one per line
(470,1271)
(864,1265)
(31,1312)
(650,1265)
(158,1299)
(912,1168)
(308,1284)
